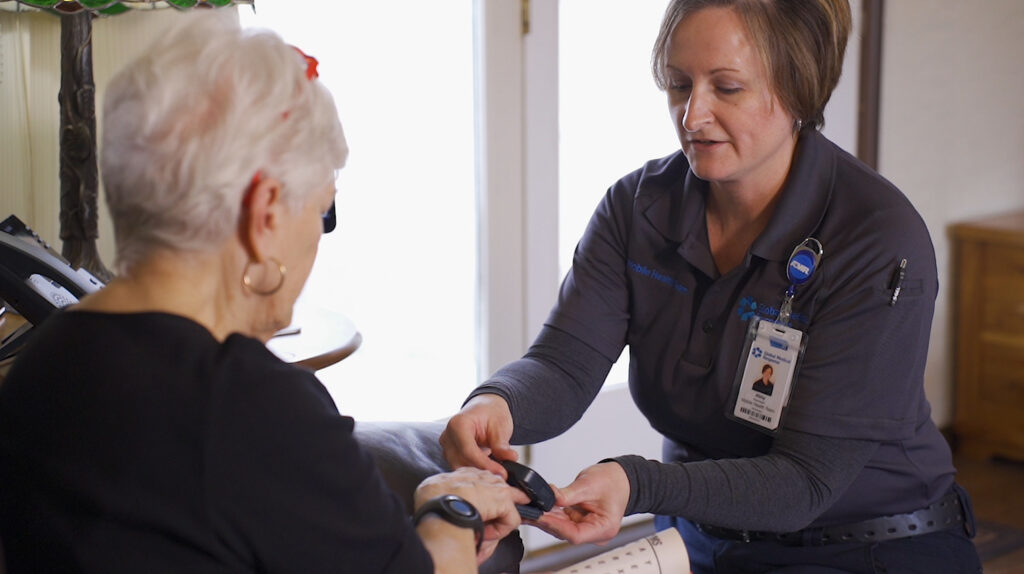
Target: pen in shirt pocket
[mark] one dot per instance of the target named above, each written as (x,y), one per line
(896,283)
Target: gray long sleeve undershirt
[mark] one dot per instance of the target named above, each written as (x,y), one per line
(784,490)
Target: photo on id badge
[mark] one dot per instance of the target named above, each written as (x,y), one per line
(766,375)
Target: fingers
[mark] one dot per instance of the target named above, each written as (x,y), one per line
(556,523)
(563,496)
(488,492)
(487,548)
(577,526)
(605,482)
(500,449)
(519,497)
(502,525)
(591,508)
(462,448)
(483,427)
(579,491)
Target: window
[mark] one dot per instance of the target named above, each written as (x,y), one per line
(402,262)
(612,117)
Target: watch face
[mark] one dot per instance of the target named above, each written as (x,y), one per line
(456,511)
(461,507)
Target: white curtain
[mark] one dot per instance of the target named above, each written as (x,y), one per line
(29,82)
(30,114)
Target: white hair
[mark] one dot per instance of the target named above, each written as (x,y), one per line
(190,123)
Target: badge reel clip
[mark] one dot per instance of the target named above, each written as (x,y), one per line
(542,498)
(803,262)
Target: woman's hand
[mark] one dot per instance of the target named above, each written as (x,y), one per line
(591,508)
(493,498)
(483,427)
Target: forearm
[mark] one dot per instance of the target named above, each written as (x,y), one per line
(550,387)
(451,547)
(783,491)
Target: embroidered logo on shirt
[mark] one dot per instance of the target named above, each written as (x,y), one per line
(748,307)
(653,273)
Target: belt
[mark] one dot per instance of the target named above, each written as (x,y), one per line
(942,515)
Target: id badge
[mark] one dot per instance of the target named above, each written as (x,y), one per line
(765,375)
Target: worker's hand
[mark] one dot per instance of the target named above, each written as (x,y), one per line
(591,508)
(482,428)
(493,498)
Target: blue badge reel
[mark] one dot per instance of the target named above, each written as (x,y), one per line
(802,264)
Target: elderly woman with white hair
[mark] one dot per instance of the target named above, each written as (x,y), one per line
(147,428)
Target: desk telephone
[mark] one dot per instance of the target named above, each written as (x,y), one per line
(35,280)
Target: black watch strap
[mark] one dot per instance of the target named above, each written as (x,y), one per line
(455,510)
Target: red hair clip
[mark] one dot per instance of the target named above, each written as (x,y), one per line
(311,74)
(311,64)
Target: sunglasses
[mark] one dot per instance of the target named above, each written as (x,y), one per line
(330,219)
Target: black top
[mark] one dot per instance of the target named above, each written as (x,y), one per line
(763,387)
(139,443)
(643,275)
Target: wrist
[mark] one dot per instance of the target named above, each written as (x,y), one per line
(623,480)
(432,526)
(489,398)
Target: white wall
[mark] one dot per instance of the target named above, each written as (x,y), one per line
(952,132)
(841,111)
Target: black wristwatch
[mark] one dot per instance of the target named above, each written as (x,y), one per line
(455,510)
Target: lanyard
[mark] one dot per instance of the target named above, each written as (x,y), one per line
(803,262)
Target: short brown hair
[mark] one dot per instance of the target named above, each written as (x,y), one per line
(801,43)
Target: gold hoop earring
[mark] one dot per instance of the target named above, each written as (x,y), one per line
(247,282)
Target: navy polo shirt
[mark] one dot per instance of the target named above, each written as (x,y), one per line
(643,276)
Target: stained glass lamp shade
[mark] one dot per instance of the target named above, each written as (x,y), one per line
(114,7)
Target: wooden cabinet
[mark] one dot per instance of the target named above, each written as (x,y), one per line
(989,276)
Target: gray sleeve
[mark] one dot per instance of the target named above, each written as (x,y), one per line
(783,491)
(550,387)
